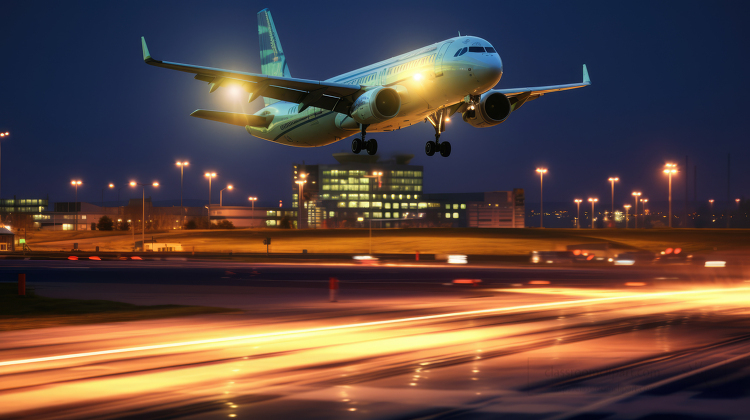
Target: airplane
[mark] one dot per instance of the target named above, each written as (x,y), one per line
(428,84)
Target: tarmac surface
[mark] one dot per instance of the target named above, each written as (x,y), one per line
(403,341)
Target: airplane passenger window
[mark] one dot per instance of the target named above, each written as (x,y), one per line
(476,49)
(490,50)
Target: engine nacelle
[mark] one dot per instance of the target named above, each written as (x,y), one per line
(376,106)
(493,109)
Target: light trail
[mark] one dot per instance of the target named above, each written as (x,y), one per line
(370,324)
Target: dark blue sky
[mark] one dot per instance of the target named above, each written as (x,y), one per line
(669,79)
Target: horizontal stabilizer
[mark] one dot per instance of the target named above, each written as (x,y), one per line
(234,118)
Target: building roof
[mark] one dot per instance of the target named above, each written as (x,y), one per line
(4,231)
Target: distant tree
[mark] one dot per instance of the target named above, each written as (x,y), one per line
(105,223)
(123,225)
(224,224)
(285,223)
(191,225)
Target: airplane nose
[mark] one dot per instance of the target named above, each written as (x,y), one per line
(490,72)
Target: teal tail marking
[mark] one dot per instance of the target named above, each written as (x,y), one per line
(272,58)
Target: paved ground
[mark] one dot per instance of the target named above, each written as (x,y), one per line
(400,344)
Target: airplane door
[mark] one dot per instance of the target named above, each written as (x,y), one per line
(439,58)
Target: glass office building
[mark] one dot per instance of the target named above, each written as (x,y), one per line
(361,189)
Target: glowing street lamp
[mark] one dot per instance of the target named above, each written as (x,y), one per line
(221,201)
(592,201)
(643,205)
(300,206)
(612,181)
(252,213)
(627,207)
(5,134)
(541,172)
(376,174)
(76,183)
(182,166)
(209,175)
(636,194)
(670,169)
(143,209)
(578,206)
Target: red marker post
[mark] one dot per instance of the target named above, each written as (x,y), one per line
(417,259)
(333,287)
(22,285)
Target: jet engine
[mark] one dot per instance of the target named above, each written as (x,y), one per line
(493,109)
(375,106)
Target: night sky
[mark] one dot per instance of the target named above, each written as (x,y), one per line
(669,79)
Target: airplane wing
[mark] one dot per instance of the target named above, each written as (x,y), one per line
(336,97)
(520,96)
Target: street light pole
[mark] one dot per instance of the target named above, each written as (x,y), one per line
(209,175)
(636,194)
(578,217)
(669,169)
(627,207)
(182,166)
(5,134)
(76,183)
(711,208)
(541,172)
(592,201)
(143,210)
(221,192)
(301,198)
(612,181)
(252,212)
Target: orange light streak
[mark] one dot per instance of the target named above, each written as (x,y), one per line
(370,324)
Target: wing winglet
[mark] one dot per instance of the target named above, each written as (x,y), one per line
(146,54)
(586,79)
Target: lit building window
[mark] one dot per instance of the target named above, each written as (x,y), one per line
(326,187)
(412,205)
(395,205)
(377,204)
(395,215)
(463,206)
(364,196)
(270,223)
(400,196)
(447,215)
(387,205)
(271,213)
(447,206)
(364,204)
(422,206)
(331,214)
(377,215)
(455,207)
(455,215)
(387,215)
(352,204)
(341,204)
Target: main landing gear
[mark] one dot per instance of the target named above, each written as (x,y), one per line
(361,144)
(438,122)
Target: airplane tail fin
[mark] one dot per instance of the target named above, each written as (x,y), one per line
(272,58)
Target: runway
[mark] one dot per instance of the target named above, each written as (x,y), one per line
(583,345)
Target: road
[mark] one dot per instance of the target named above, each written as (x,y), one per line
(403,342)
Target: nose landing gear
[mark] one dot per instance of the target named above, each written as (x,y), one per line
(371,146)
(438,122)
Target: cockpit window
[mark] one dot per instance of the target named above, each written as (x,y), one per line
(460,52)
(490,50)
(476,49)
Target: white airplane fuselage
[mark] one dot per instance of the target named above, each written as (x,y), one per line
(426,80)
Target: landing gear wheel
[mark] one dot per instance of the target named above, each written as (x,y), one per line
(430,148)
(356,146)
(445,149)
(371,146)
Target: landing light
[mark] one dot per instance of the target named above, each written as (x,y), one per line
(418,77)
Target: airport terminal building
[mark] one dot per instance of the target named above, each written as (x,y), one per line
(362,189)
